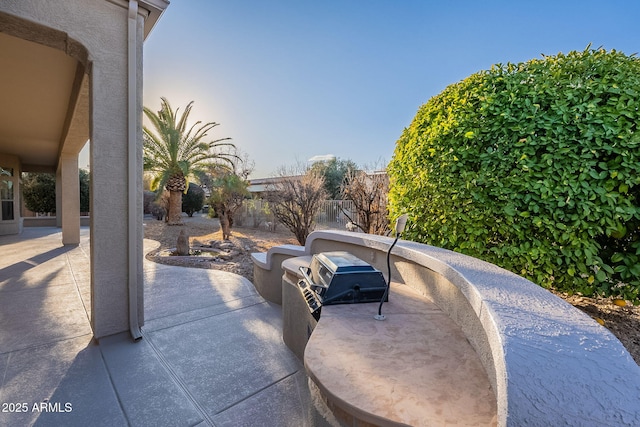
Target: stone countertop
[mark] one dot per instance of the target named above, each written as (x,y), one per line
(546,360)
(414,368)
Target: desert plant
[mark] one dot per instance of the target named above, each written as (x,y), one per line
(159,205)
(533,167)
(228,192)
(173,152)
(193,199)
(148,197)
(295,199)
(369,193)
(228,187)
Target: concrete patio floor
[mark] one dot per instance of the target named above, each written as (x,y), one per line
(211,353)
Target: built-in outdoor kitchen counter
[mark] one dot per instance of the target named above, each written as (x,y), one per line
(547,362)
(414,368)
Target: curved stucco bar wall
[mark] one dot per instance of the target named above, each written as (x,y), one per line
(548,363)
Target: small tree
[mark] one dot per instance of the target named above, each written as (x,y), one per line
(193,199)
(335,173)
(173,152)
(85,185)
(296,199)
(369,193)
(228,185)
(227,195)
(39,192)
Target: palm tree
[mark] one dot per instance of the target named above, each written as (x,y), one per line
(173,153)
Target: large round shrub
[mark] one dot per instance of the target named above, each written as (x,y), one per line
(193,199)
(534,167)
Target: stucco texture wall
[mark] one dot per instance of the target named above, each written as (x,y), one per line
(100,28)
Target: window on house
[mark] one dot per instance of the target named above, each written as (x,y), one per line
(6,194)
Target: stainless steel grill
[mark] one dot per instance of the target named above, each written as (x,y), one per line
(339,278)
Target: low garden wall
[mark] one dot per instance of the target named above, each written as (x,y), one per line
(548,362)
(51,221)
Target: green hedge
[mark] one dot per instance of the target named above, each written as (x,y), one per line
(534,167)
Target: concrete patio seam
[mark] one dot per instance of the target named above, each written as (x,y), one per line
(113,387)
(48,343)
(176,379)
(204,316)
(4,377)
(77,287)
(257,392)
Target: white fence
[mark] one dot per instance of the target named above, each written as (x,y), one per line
(333,214)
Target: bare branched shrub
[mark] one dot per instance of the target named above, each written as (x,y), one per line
(295,199)
(368,191)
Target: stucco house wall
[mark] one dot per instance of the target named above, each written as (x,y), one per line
(97,34)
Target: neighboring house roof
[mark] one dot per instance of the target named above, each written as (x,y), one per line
(260,185)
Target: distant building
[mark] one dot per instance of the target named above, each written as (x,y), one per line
(322,158)
(257,187)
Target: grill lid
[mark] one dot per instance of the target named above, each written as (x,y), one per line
(340,278)
(343,262)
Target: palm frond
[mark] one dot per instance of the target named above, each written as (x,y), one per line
(171,148)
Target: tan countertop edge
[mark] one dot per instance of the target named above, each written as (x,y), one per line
(356,412)
(405,303)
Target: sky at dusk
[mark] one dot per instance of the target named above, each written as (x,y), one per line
(289,80)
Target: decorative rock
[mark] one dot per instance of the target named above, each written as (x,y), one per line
(182,245)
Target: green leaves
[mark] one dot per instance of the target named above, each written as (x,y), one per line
(171,148)
(173,153)
(532,166)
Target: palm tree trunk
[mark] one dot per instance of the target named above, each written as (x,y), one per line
(175,208)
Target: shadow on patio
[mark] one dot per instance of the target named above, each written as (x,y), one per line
(212,352)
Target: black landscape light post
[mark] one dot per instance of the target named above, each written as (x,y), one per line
(401,222)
